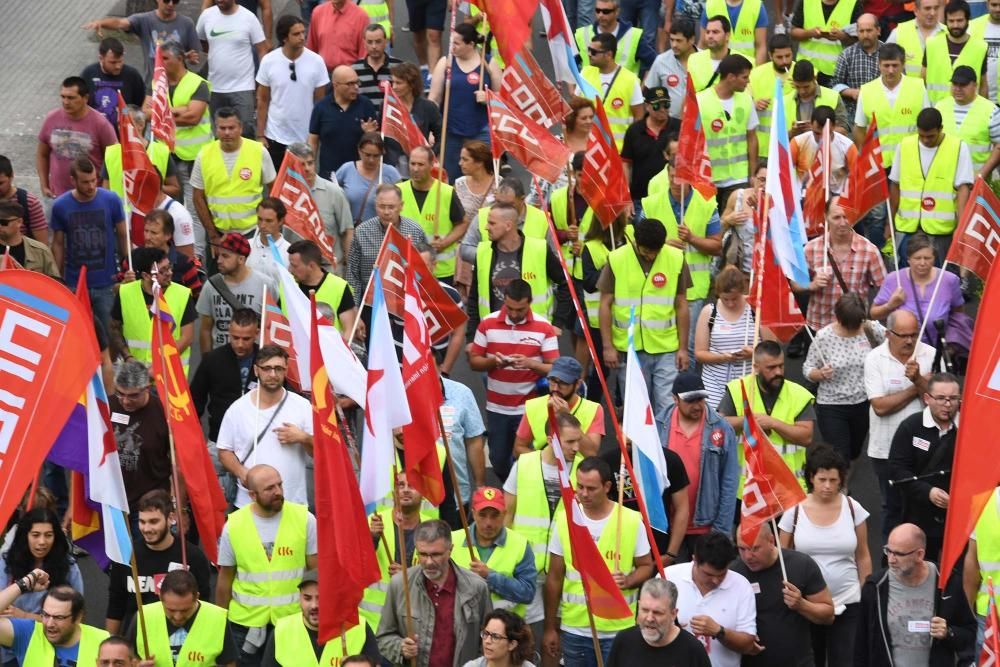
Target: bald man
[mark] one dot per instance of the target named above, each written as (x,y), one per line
(338,121)
(266,547)
(857,64)
(904,618)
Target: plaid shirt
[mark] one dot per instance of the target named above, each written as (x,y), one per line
(862,271)
(364,249)
(854,69)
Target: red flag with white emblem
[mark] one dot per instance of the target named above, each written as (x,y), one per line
(302,216)
(528,142)
(977,238)
(818,189)
(602,180)
(526,88)
(867,185)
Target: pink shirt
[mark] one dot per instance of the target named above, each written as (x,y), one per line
(69,138)
(338,34)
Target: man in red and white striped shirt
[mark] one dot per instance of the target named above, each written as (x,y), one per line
(516,348)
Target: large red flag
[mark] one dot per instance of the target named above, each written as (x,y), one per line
(818,188)
(44,369)
(779,311)
(347,563)
(691,164)
(204,492)
(975,471)
(510,21)
(770,487)
(528,142)
(526,88)
(423,393)
(161,121)
(977,238)
(302,216)
(991,641)
(141,179)
(867,185)
(397,123)
(602,181)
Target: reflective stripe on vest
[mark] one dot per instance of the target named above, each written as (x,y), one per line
(40,651)
(908,37)
(592,300)
(233,197)
(536,411)
(535,225)
(294,648)
(975,127)
(265,590)
(502,560)
(190,139)
(927,202)
(820,51)
(560,218)
(616,100)
(625,55)
(894,122)
(373,598)
(697,213)
(940,66)
(331,292)
(532,518)
(424,216)
(762,79)
(378,12)
(653,296)
(741,39)
(202,645)
(988,551)
(726,135)
(158,154)
(574,605)
(137,322)
(534,254)
(792,400)
(825,97)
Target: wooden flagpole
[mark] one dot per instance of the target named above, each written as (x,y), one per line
(454,484)
(444,114)
(401,542)
(256,404)
(138,592)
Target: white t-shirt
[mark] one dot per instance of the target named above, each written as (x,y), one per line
(884,375)
(992,38)
(267,530)
(636,98)
(237,435)
(752,121)
(183,222)
(891,94)
(731,605)
(964,173)
(231,39)
(261,260)
(291,101)
(832,547)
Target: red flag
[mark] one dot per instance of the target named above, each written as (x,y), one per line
(397,123)
(780,311)
(527,141)
(991,642)
(277,331)
(604,597)
(8,262)
(867,185)
(303,217)
(347,563)
(975,471)
(442,314)
(770,487)
(204,492)
(975,246)
(141,179)
(818,188)
(691,164)
(423,393)
(161,121)
(510,21)
(526,88)
(602,181)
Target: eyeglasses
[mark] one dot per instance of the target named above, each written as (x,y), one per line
(132,396)
(947,399)
(606,11)
(656,106)
(55,617)
(906,336)
(272,369)
(291,69)
(492,636)
(595,52)
(898,554)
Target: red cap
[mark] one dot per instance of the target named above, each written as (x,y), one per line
(237,243)
(488,496)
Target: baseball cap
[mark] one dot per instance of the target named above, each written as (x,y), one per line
(310,577)
(963,75)
(658,94)
(235,242)
(688,387)
(566,369)
(488,496)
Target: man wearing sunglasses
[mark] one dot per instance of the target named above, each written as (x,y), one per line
(620,90)
(635,52)
(29,253)
(646,142)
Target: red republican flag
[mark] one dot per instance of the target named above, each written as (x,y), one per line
(818,189)
(770,487)
(397,123)
(691,164)
(867,185)
(604,598)
(303,217)
(528,142)
(975,471)
(347,563)
(423,393)
(510,21)
(141,180)
(161,121)
(975,245)
(204,492)
(602,181)
(991,641)
(443,315)
(526,88)
(277,331)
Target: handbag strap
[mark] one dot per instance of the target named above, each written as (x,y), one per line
(364,202)
(266,426)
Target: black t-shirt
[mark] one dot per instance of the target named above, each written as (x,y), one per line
(153,566)
(143,447)
(784,633)
(645,152)
(176,635)
(17,252)
(189,316)
(631,650)
(104,89)
(456,213)
(346,301)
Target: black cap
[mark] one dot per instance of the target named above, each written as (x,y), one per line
(658,94)
(963,75)
(689,387)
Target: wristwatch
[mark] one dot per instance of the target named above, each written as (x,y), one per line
(720,635)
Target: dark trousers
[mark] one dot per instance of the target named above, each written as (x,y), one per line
(248,658)
(501,430)
(892,507)
(833,645)
(844,427)
(277,152)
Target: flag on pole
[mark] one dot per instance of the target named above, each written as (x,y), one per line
(788,234)
(528,142)
(302,216)
(991,641)
(650,465)
(510,21)
(397,123)
(346,561)
(691,164)
(818,187)
(779,311)
(141,180)
(384,411)
(526,88)
(977,238)
(602,180)
(161,121)
(423,393)
(867,185)
(562,47)
(770,487)
(278,332)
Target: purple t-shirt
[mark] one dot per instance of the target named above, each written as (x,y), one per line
(69,138)
(948,299)
(91,239)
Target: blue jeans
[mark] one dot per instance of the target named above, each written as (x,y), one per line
(659,372)
(239,638)
(643,14)
(694,310)
(101,301)
(501,431)
(453,150)
(578,650)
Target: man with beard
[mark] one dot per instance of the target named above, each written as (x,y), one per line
(158,553)
(762,80)
(656,637)
(264,550)
(783,409)
(951,49)
(295,635)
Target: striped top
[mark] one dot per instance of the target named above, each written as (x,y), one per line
(726,336)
